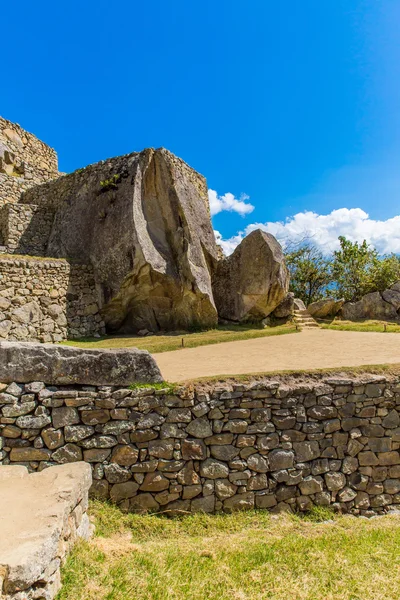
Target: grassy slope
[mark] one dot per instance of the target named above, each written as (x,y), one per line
(173,341)
(243,556)
(378,326)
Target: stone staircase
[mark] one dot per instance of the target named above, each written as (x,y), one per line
(304,320)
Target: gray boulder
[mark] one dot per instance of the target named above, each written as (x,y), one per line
(52,364)
(253,281)
(143,222)
(328,307)
(371,306)
(299,304)
(396,286)
(285,308)
(393,297)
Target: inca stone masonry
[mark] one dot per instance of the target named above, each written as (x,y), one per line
(278,444)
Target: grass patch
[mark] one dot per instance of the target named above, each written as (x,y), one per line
(242,556)
(178,340)
(368,325)
(169,388)
(382,369)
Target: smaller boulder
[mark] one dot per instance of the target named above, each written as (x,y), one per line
(249,284)
(393,297)
(299,304)
(285,308)
(328,307)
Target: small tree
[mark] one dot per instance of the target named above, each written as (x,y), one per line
(350,268)
(358,270)
(384,272)
(310,273)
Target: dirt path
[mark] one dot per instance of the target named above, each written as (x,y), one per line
(312,349)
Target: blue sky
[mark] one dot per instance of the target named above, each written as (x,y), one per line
(292,104)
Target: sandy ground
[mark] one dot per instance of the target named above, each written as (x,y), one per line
(310,349)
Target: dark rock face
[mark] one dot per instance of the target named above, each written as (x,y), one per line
(27,361)
(143,222)
(253,281)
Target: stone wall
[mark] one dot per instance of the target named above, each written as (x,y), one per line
(47,300)
(42,516)
(25,161)
(25,229)
(279,444)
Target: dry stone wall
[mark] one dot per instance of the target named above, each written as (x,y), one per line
(25,161)
(25,229)
(47,300)
(272,444)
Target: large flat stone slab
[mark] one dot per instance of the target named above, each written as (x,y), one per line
(54,364)
(42,515)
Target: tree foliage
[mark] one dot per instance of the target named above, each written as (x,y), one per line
(351,272)
(357,269)
(310,273)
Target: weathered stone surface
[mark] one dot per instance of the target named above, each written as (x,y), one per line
(116,474)
(35,511)
(253,281)
(65,415)
(193,449)
(285,308)
(280,459)
(200,428)
(21,361)
(371,306)
(213,469)
(148,235)
(66,454)
(28,454)
(328,307)
(393,297)
(154,482)
(121,491)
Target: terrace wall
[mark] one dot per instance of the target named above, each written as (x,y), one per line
(277,444)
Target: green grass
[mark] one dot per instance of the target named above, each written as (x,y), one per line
(173,341)
(243,556)
(367,325)
(168,388)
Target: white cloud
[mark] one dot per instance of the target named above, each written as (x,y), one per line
(230,244)
(324,230)
(230,203)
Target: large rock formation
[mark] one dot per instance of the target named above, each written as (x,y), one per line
(143,222)
(253,281)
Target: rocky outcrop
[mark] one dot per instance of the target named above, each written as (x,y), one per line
(249,284)
(42,516)
(143,222)
(328,307)
(27,361)
(371,306)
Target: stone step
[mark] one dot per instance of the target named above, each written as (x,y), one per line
(304,320)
